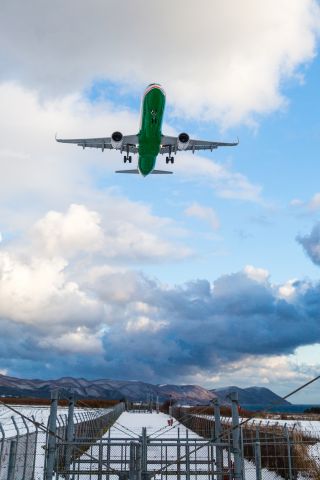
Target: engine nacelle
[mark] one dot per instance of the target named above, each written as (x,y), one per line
(116,140)
(183,141)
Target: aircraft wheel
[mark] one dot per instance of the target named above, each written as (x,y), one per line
(167,159)
(172,159)
(130,159)
(124,159)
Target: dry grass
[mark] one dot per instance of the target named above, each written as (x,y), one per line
(276,451)
(89,402)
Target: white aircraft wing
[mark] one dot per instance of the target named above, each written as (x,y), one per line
(172,144)
(129,142)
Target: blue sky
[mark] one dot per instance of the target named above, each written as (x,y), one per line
(215,268)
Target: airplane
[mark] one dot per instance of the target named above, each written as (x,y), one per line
(149,142)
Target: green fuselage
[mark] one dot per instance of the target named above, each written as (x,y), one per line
(153,104)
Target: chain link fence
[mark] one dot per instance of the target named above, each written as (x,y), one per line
(78,444)
(27,442)
(255,451)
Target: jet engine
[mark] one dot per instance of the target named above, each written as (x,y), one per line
(183,141)
(116,140)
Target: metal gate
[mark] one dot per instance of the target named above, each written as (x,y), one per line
(144,458)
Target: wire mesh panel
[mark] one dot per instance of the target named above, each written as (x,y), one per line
(214,449)
(162,459)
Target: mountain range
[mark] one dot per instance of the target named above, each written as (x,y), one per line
(251,395)
(132,390)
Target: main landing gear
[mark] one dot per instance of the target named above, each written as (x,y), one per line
(170,158)
(127,159)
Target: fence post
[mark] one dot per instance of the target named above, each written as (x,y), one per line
(35,446)
(138,460)
(236,436)
(144,447)
(100,460)
(12,460)
(178,455)
(3,437)
(187,453)
(26,449)
(132,461)
(69,435)
(16,428)
(14,453)
(289,452)
(218,439)
(257,452)
(51,447)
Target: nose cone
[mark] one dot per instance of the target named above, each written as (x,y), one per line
(154,87)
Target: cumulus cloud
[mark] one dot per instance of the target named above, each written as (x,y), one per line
(242,318)
(114,234)
(218,60)
(257,274)
(203,213)
(311,243)
(35,279)
(126,322)
(79,341)
(78,314)
(78,230)
(66,291)
(37,290)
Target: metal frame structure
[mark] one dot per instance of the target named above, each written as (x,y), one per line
(79,446)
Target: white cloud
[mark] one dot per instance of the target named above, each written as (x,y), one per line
(276,369)
(288,289)
(308,207)
(80,340)
(36,290)
(204,213)
(226,183)
(280,373)
(220,60)
(314,203)
(39,280)
(257,274)
(143,323)
(78,230)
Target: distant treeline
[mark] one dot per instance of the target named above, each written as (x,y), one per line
(83,402)
(312,410)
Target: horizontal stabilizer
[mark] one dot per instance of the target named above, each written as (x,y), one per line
(154,172)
